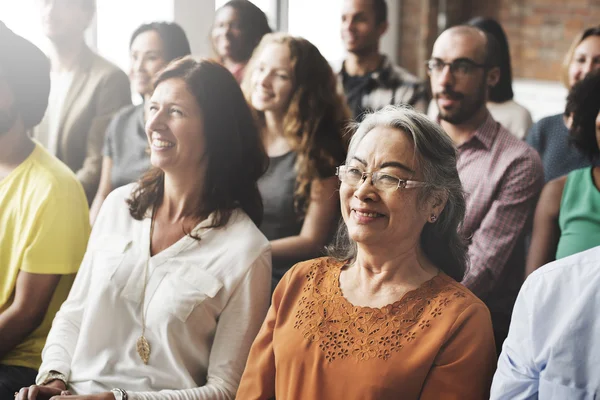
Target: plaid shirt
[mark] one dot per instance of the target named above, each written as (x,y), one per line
(502,177)
(387,85)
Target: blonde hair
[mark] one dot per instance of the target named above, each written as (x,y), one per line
(314,122)
(584,34)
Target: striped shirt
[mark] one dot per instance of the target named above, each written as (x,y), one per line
(387,85)
(502,177)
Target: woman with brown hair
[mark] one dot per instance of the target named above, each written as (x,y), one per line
(292,91)
(175,282)
(550,135)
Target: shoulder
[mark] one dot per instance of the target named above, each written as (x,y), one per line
(403,75)
(550,123)
(53,178)
(456,295)
(314,272)
(106,71)
(128,112)
(565,277)
(241,231)
(513,149)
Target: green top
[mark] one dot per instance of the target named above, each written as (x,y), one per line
(579,217)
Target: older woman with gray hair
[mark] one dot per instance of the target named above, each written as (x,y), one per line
(384,315)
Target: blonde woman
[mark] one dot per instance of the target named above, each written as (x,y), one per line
(550,135)
(292,91)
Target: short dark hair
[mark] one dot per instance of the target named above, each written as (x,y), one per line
(27,72)
(381,11)
(253,24)
(236,156)
(583,105)
(174,39)
(503,90)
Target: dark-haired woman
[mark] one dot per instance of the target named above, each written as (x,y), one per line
(567,218)
(152,47)
(175,281)
(385,317)
(292,90)
(238,28)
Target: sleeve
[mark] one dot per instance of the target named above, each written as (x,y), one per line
(420,98)
(109,138)
(114,93)
(64,334)
(258,381)
(464,367)
(238,325)
(534,137)
(57,243)
(517,376)
(493,243)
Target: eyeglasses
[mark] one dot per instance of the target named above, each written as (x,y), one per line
(458,68)
(353,176)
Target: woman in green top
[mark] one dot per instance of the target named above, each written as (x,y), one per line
(567,218)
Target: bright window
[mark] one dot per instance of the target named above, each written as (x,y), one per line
(319,22)
(117,19)
(23,18)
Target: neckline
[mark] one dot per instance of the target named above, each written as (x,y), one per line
(22,166)
(406,297)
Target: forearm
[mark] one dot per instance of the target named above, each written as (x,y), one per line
(207,392)
(295,247)
(15,326)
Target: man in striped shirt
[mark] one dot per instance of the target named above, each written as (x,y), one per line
(369,79)
(502,176)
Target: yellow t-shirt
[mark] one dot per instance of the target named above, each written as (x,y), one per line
(44,230)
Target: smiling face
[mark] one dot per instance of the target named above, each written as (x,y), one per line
(147,58)
(272,79)
(384,218)
(586,58)
(175,128)
(360,31)
(226,34)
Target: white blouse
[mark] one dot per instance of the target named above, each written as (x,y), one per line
(204,302)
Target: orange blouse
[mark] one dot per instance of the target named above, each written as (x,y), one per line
(434,343)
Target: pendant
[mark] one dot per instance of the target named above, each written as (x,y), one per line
(143,349)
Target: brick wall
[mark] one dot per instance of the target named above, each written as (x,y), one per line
(539,31)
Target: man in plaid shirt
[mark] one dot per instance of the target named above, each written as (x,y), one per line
(369,79)
(502,176)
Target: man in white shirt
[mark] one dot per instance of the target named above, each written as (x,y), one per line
(553,346)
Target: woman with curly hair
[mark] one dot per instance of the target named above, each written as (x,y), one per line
(292,91)
(567,220)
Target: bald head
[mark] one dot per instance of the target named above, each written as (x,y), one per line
(482,46)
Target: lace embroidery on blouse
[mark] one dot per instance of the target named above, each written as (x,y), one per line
(342,330)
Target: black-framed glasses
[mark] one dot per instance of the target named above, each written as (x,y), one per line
(383,181)
(459,67)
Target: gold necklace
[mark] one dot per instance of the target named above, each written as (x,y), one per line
(142,345)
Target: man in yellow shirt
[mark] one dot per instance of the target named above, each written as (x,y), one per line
(43,217)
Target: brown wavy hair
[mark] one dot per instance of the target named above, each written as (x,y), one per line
(316,118)
(236,156)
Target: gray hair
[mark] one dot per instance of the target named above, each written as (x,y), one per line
(435,155)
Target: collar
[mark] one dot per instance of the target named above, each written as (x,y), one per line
(486,133)
(381,74)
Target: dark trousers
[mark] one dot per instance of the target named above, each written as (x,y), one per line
(13,378)
(501,323)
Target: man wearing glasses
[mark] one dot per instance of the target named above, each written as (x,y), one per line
(501,175)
